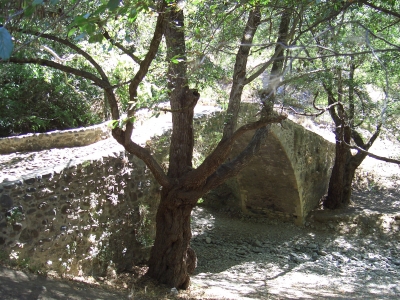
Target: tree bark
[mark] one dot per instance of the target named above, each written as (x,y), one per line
(340,178)
(172,260)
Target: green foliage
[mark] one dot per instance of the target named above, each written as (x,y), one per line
(36,100)
(14,215)
(143,235)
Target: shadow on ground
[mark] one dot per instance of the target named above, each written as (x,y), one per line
(24,286)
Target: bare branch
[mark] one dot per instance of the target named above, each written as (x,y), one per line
(386,159)
(322,110)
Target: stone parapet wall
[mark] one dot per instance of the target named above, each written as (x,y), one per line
(80,219)
(55,139)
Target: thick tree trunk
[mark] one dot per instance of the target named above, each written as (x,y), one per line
(172,260)
(339,191)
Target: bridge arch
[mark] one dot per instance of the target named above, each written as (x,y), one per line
(287,177)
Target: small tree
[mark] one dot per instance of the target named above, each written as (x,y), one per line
(353,58)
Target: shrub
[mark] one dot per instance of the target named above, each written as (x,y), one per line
(33,99)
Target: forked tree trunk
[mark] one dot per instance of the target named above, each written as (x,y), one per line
(172,260)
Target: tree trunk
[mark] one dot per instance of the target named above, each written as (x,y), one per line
(348,181)
(172,260)
(339,179)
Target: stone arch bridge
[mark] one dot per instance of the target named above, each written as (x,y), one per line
(287,178)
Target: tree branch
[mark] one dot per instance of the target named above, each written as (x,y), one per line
(332,100)
(322,110)
(261,69)
(144,155)
(70,45)
(332,15)
(239,72)
(121,47)
(145,64)
(232,168)
(198,176)
(337,54)
(48,63)
(389,160)
(104,78)
(382,9)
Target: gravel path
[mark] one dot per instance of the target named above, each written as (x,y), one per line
(246,258)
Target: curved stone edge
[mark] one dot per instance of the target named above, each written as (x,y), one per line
(55,139)
(312,159)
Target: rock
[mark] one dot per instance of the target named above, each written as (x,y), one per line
(322,252)
(337,256)
(371,257)
(294,257)
(396,262)
(6,201)
(313,246)
(241,252)
(17,226)
(208,240)
(257,250)
(258,243)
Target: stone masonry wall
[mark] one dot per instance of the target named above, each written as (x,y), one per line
(80,219)
(286,179)
(55,139)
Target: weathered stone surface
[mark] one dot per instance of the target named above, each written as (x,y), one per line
(70,211)
(54,139)
(289,175)
(6,201)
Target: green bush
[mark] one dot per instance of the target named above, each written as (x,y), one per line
(33,99)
